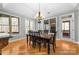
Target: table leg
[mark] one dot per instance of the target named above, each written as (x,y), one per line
(54,47)
(30,40)
(48,48)
(0,51)
(27,39)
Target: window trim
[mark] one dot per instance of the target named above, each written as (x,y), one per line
(10,23)
(2,24)
(18,25)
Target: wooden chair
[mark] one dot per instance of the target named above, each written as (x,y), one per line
(35,39)
(38,42)
(53,41)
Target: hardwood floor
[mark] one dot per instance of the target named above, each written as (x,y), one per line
(20,48)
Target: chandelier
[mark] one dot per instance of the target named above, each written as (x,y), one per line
(39,16)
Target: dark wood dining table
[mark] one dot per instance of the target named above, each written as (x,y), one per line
(44,37)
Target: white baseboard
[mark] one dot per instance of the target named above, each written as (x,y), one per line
(69,40)
(16,39)
(77,42)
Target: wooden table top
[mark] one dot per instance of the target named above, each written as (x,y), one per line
(45,36)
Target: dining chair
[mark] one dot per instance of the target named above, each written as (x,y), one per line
(53,41)
(38,42)
(35,39)
(30,36)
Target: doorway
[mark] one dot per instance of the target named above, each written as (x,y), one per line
(52,25)
(66,26)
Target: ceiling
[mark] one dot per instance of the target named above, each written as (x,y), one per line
(30,9)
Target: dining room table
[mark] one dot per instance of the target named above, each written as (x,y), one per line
(43,37)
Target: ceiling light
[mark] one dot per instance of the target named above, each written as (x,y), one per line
(39,16)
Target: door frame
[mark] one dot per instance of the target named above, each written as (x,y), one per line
(56,23)
(72,26)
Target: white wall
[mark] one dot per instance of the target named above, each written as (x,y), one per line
(77,25)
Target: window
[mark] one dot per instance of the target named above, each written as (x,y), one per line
(26,26)
(15,25)
(29,25)
(65,25)
(4,24)
(9,25)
